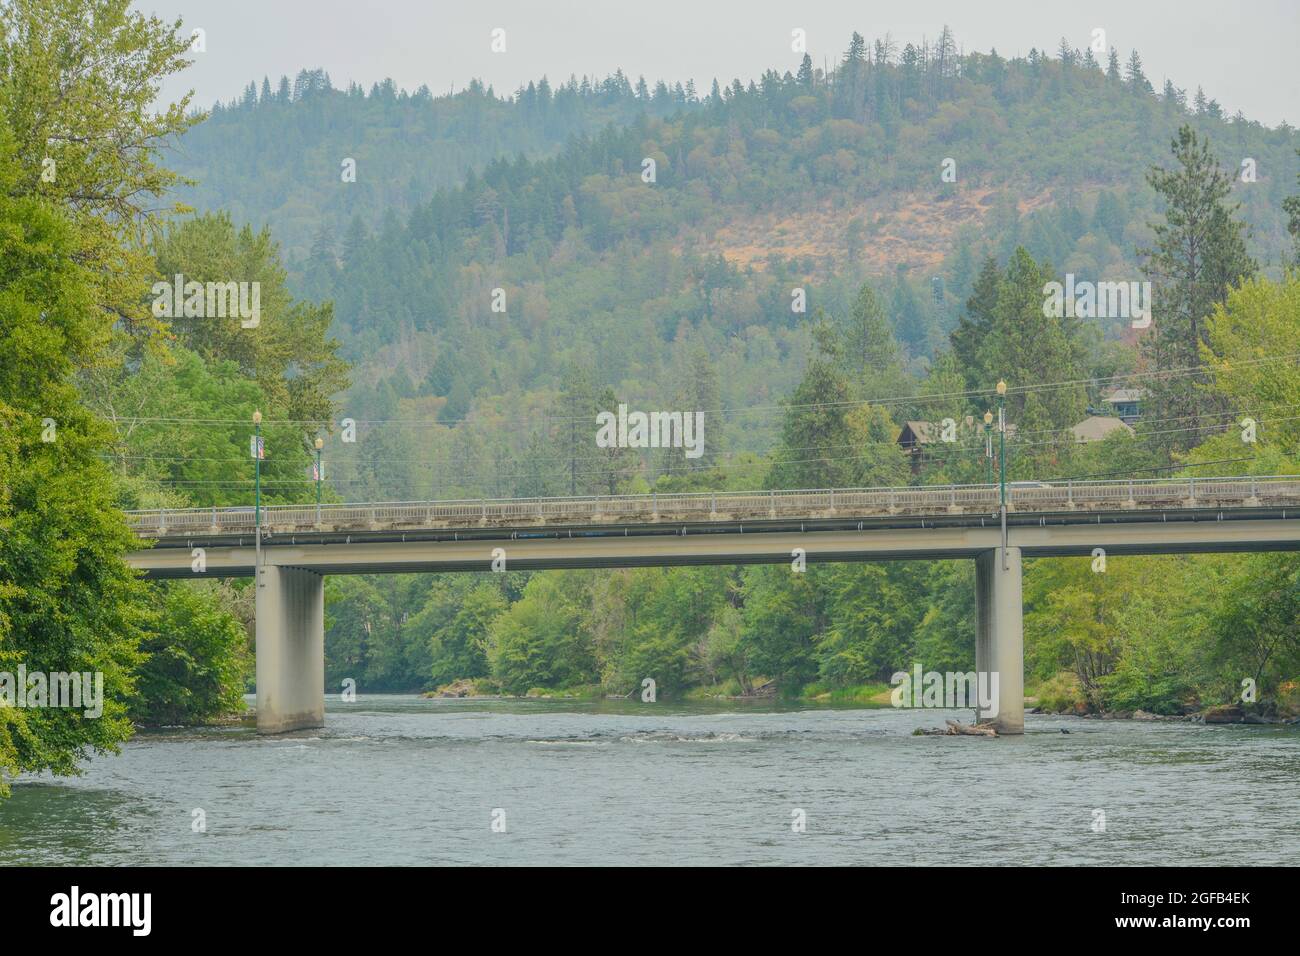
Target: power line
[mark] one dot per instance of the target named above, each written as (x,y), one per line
(1181,372)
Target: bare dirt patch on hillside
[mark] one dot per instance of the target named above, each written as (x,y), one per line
(913,230)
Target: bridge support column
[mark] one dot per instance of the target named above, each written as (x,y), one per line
(290,607)
(1000,640)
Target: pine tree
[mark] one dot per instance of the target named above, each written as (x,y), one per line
(1112,66)
(1024,346)
(1134,76)
(870,350)
(614,465)
(577,428)
(857,52)
(1199,254)
(699,392)
(805,77)
(1291,205)
(816,437)
(975,325)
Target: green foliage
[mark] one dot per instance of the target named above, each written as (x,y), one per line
(459,641)
(79,85)
(289,353)
(1199,254)
(68,602)
(543,639)
(635,280)
(784,615)
(197,657)
(1255,626)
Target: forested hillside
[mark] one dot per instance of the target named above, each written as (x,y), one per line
(801,180)
(812,259)
(807,260)
(276,155)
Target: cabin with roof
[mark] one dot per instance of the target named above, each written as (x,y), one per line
(921,439)
(1126,403)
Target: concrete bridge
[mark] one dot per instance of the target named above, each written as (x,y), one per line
(296,545)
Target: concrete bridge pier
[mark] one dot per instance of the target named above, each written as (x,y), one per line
(1000,637)
(290,608)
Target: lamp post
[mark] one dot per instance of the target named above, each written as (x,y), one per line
(1002,463)
(988,447)
(320,443)
(257,497)
(257,471)
(1002,440)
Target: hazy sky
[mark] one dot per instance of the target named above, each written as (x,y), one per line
(1242,54)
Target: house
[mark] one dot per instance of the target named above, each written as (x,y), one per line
(1126,403)
(919,438)
(1097,427)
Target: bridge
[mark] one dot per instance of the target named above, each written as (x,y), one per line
(289,548)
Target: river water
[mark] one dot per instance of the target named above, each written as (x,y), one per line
(398,779)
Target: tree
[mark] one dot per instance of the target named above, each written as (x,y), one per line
(458,617)
(1025,347)
(1259,318)
(1134,76)
(976,324)
(783,614)
(68,601)
(805,75)
(857,51)
(870,351)
(1256,624)
(1291,206)
(289,352)
(579,403)
(1199,254)
(816,445)
(542,640)
(1112,66)
(197,658)
(80,79)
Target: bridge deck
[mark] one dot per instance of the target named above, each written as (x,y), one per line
(624,510)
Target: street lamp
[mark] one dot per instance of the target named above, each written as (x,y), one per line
(257,471)
(988,446)
(320,443)
(1002,463)
(257,498)
(1002,439)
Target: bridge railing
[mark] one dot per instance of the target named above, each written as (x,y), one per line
(704,506)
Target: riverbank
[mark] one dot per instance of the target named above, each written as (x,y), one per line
(874,695)
(880,695)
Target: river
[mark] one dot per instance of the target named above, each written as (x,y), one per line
(402,780)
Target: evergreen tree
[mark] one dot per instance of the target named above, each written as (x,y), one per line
(1291,206)
(805,76)
(975,325)
(1199,254)
(1134,76)
(1112,66)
